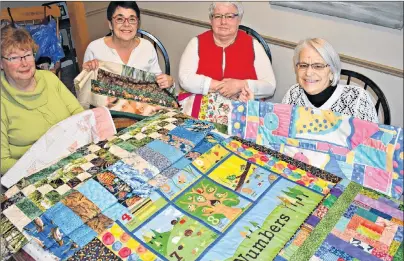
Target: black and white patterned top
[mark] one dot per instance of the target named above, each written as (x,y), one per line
(346,99)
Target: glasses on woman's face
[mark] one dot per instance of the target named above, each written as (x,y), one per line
(122,20)
(314,66)
(225,16)
(18,59)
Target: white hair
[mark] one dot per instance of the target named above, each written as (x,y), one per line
(238,5)
(326,51)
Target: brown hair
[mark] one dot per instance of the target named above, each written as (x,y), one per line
(16,38)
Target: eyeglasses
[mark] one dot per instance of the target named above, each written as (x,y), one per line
(17,59)
(314,66)
(122,20)
(226,16)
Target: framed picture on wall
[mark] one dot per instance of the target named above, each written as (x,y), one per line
(387,14)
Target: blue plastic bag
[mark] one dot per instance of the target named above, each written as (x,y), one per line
(45,37)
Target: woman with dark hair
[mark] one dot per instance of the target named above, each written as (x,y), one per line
(123,46)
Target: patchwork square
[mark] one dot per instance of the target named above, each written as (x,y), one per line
(63,217)
(208,201)
(29,208)
(193,136)
(100,223)
(83,235)
(170,152)
(81,205)
(155,158)
(135,178)
(16,217)
(172,222)
(95,250)
(125,246)
(6,202)
(97,194)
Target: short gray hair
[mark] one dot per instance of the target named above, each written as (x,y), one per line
(326,51)
(238,5)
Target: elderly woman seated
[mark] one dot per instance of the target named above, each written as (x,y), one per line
(225,59)
(31,101)
(318,69)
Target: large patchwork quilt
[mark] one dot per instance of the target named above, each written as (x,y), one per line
(368,153)
(172,188)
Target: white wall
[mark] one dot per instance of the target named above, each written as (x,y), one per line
(364,41)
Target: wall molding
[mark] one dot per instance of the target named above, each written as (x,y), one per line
(271,40)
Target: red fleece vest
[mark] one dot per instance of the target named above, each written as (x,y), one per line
(239,58)
(239,62)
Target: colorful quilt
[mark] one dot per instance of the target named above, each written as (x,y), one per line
(172,188)
(368,153)
(212,108)
(122,88)
(60,141)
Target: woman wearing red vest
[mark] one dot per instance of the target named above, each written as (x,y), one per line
(225,60)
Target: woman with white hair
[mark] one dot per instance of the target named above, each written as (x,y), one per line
(318,70)
(225,60)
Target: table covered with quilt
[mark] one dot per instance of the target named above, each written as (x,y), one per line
(173,188)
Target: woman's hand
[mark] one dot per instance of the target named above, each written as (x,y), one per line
(246,94)
(164,81)
(91,65)
(232,87)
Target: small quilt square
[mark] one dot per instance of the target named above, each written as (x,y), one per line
(63,189)
(45,231)
(89,157)
(170,126)
(29,208)
(154,135)
(95,250)
(193,136)
(125,136)
(137,179)
(170,152)
(63,217)
(100,223)
(81,206)
(155,158)
(45,188)
(84,176)
(11,191)
(88,165)
(97,194)
(28,190)
(93,148)
(83,235)
(124,245)
(73,182)
(12,200)
(140,136)
(56,183)
(53,196)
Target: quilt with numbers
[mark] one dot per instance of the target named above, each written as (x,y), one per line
(171,188)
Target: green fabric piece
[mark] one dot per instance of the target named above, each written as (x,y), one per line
(399,256)
(311,244)
(329,202)
(366,214)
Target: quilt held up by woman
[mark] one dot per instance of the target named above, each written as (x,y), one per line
(122,88)
(171,188)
